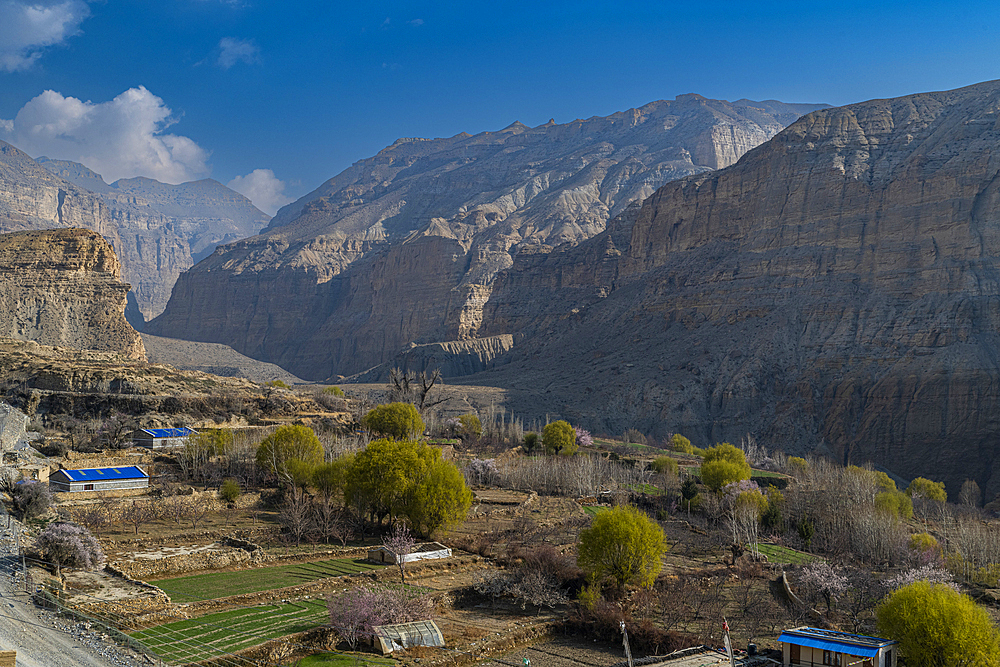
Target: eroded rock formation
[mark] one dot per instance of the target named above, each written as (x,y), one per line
(63,287)
(403,248)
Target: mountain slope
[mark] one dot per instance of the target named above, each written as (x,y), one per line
(837,290)
(403,247)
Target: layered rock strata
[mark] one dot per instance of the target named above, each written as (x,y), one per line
(403,248)
(63,287)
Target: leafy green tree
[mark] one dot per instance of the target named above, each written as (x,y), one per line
(797,466)
(925,488)
(439,497)
(895,503)
(664,464)
(679,443)
(723,464)
(937,626)
(330,479)
(334,391)
(559,437)
(299,472)
(378,481)
(623,544)
(289,442)
(398,421)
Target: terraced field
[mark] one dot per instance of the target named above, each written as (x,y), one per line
(223,584)
(230,631)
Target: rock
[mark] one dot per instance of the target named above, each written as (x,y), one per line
(402,248)
(63,287)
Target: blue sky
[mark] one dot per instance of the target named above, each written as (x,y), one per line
(276,97)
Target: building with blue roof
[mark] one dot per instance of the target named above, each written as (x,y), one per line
(815,646)
(161,438)
(99,479)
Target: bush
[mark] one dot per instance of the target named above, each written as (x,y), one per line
(398,421)
(623,544)
(924,543)
(559,437)
(895,503)
(334,391)
(797,466)
(278,384)
(679,443)
(31,499)
(530,441)
(634,436)
(664,464)
(470,427)
(287,443)
(230,490)
(936,625)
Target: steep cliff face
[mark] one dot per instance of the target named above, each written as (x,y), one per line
(157,230)
(63,287)
(424,227)
(838,288)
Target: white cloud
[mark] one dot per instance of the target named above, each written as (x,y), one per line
(416,23)
(26,28)
(232,51)
(122,138)
(262,188)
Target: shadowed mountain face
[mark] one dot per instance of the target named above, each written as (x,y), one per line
(837,289)
(157,230)
(403,248)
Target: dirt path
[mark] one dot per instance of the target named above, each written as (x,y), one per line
(41,639)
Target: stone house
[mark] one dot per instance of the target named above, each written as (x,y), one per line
(162,438)
(99,479)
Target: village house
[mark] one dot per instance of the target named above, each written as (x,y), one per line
(815,646)
(162,438)
(99,479)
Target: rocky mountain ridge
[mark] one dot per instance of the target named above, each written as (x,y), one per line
(331,286)
(63,287)
(157,230)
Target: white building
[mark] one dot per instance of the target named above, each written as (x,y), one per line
(815,646)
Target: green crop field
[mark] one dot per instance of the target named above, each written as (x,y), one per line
(223,584)
(779,554)
(594,510)
(230,631)
(341,660)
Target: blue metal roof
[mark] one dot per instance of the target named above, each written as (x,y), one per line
(840,642)
(101,474)
(169,432)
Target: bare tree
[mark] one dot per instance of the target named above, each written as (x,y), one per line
(137,513)
(970,494)
(295,513)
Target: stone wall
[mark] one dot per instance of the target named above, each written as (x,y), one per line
(13,425)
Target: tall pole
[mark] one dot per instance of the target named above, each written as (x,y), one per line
(628,651)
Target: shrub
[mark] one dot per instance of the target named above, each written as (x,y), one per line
(924,543)
(398,421)
(230,490)
(664,464)
(679,443)
(797,466)
(470,427)
(559,437)
(334,391)
(530,441)
(278,384)
(895,503)
(634,436)
(623,544)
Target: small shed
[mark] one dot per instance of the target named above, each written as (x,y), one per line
(425,551)
(815,646)
(99,479)
(161,438)
(34,471)
(389,638)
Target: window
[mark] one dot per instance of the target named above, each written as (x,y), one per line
(88,487)
(831,658)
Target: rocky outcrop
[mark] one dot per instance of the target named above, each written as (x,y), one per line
(403,248)
(157,230)
(838,289)
(63,287)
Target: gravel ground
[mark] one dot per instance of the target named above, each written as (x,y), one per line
(40,638)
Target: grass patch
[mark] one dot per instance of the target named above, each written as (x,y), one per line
(594,510)
(229,631)
(223,584)
(784,555)
(341,660)
(648,489)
